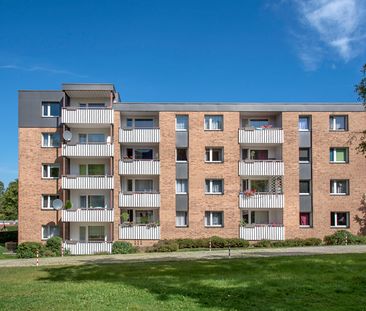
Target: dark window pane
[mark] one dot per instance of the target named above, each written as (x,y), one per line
(55,110)
(304,186)
(144,154)
(304,154)
(144,123)
(181,154)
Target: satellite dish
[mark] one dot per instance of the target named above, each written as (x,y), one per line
(57,204)
(67,135)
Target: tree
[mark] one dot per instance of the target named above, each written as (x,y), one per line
(9,202)
(1,189)
(360,89)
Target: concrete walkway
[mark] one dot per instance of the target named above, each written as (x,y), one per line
(188,255)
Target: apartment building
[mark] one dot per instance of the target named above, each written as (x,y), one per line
(94,169)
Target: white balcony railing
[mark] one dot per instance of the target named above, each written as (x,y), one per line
(261,200)
(261,168)
(88,215)
(87,150)
(139,167)
(260,136)
(262,232)
(146,135)
(86,116)
(87,248)
(139,232)
(127,199)
(87,182)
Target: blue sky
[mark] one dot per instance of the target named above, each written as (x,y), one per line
(191,50)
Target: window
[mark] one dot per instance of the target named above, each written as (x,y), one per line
(92,201)
(304,187)
(181,186)
(47,200)
(140,123)
(214,219)
(214,155)
(305,219)
(51,110)
(92,138)
(214,123)
(143,154)
(92,105)
(96,233)
(140,185)
(49,231)
(50,139)
(255,217)
(257,185)
(339,219)
(339,187)
(214,186)
(182,154)
(338,155)
(304,154)
(338,123)
(304,123)
(259,155)
(50,171)
(91,169)
(181,219)
(181,123)
(258,123)
(144,216)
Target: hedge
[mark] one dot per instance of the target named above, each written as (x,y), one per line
(120,247)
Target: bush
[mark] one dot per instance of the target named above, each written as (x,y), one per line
(29,250)
(2,249)
(164,246)
(312,242)
(120,247)
(236,242)
(54,245)
(49,253)
(263,243)
(343,237)
(217,242)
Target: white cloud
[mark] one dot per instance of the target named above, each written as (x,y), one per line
(334,26)
(41,69)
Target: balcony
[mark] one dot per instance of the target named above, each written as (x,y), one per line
(87,150)
(139,135)
(261,200)
(139,167)
(87,182)
(261,168)
(88,215)
(262,232)
(139,232)
(75,116)
(250,135)
(87,248)
(131,199)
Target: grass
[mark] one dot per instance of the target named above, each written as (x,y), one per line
(326,282)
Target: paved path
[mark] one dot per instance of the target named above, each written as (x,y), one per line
(189,255)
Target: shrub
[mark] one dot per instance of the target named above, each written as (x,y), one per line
(217,242)
(312,242)
(120,247)
(2,249)
(236,242)
(164,246)
(29,250)
(263,243)
(49,253)
(343,237)
(54,245)
(102,253)
(68,204)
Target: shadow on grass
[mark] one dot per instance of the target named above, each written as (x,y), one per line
(236,284)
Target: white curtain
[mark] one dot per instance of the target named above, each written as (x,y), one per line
(182,123)
(182,186)
(181,219)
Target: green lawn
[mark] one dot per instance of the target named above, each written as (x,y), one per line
(332,282)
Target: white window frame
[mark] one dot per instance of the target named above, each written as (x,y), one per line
(49,234)
(176,185)
(333,123)
(209,225)
(309,123)
(48,115)
(334,186)
(336,222)
(335,154)
(142,118)
(211,186)
(210,122)
(94,143)
(210,150)
(49,166)
(305,193)
(185,219)
(181,116)
(47,197)
(87,105)
(49,137)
